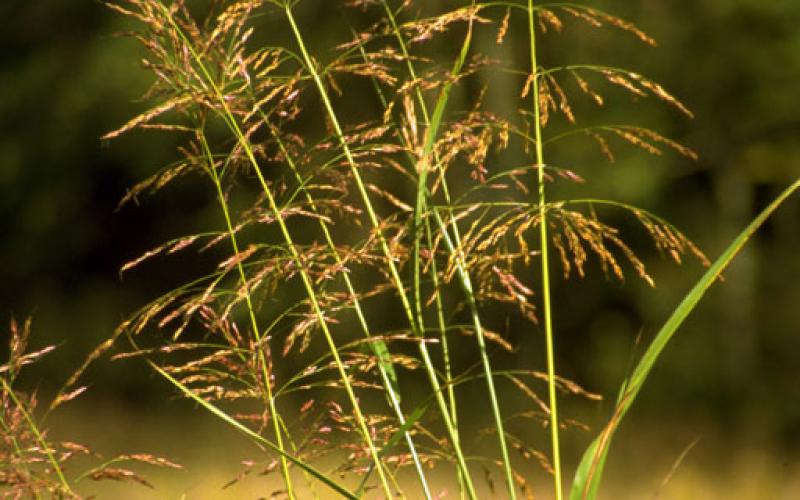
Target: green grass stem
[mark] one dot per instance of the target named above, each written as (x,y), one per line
(432,125)
(395,275)
(262,361)
(378,346)
(543,242)
(232,123)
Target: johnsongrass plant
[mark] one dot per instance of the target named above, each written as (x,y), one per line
(421,200)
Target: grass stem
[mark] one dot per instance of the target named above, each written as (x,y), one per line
(262,361)
(379,346)
(426,163)
(543,241)
(395,275)
(232,123)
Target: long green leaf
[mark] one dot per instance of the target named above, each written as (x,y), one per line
(590,470)
(257,437)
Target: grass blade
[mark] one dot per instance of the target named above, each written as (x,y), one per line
(590,470)
(250,433)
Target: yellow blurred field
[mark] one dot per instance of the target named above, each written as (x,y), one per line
(715,469)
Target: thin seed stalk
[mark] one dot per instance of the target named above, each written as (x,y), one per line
(230,120)
(400,416)
(309,287)
(415,325)
(265,372)
(432,127)
(312,294)
(442,324)
(466,285)
(394,398)
(373,218)
(543,239)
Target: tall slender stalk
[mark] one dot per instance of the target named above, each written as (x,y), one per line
(309,287)
(413,319)
(232,123)
(429,162)
(262,361)
(543,242)
(388,383)
(441,322)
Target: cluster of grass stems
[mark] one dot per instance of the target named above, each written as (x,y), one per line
(436,209)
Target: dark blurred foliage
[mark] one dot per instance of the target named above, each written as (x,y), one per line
(66,79)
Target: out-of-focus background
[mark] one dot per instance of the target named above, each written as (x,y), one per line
(728,382)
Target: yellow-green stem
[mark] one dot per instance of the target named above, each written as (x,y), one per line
(262,361)
(442,324)
(230,120)
(309,287)
(548,317)
(432,127)
(395,275)
(393,397)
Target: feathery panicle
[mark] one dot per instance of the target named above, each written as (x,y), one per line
(327,217)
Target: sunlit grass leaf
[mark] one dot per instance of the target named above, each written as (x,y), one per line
(590,470)
(255,436)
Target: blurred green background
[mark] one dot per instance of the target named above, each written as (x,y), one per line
(730,378)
